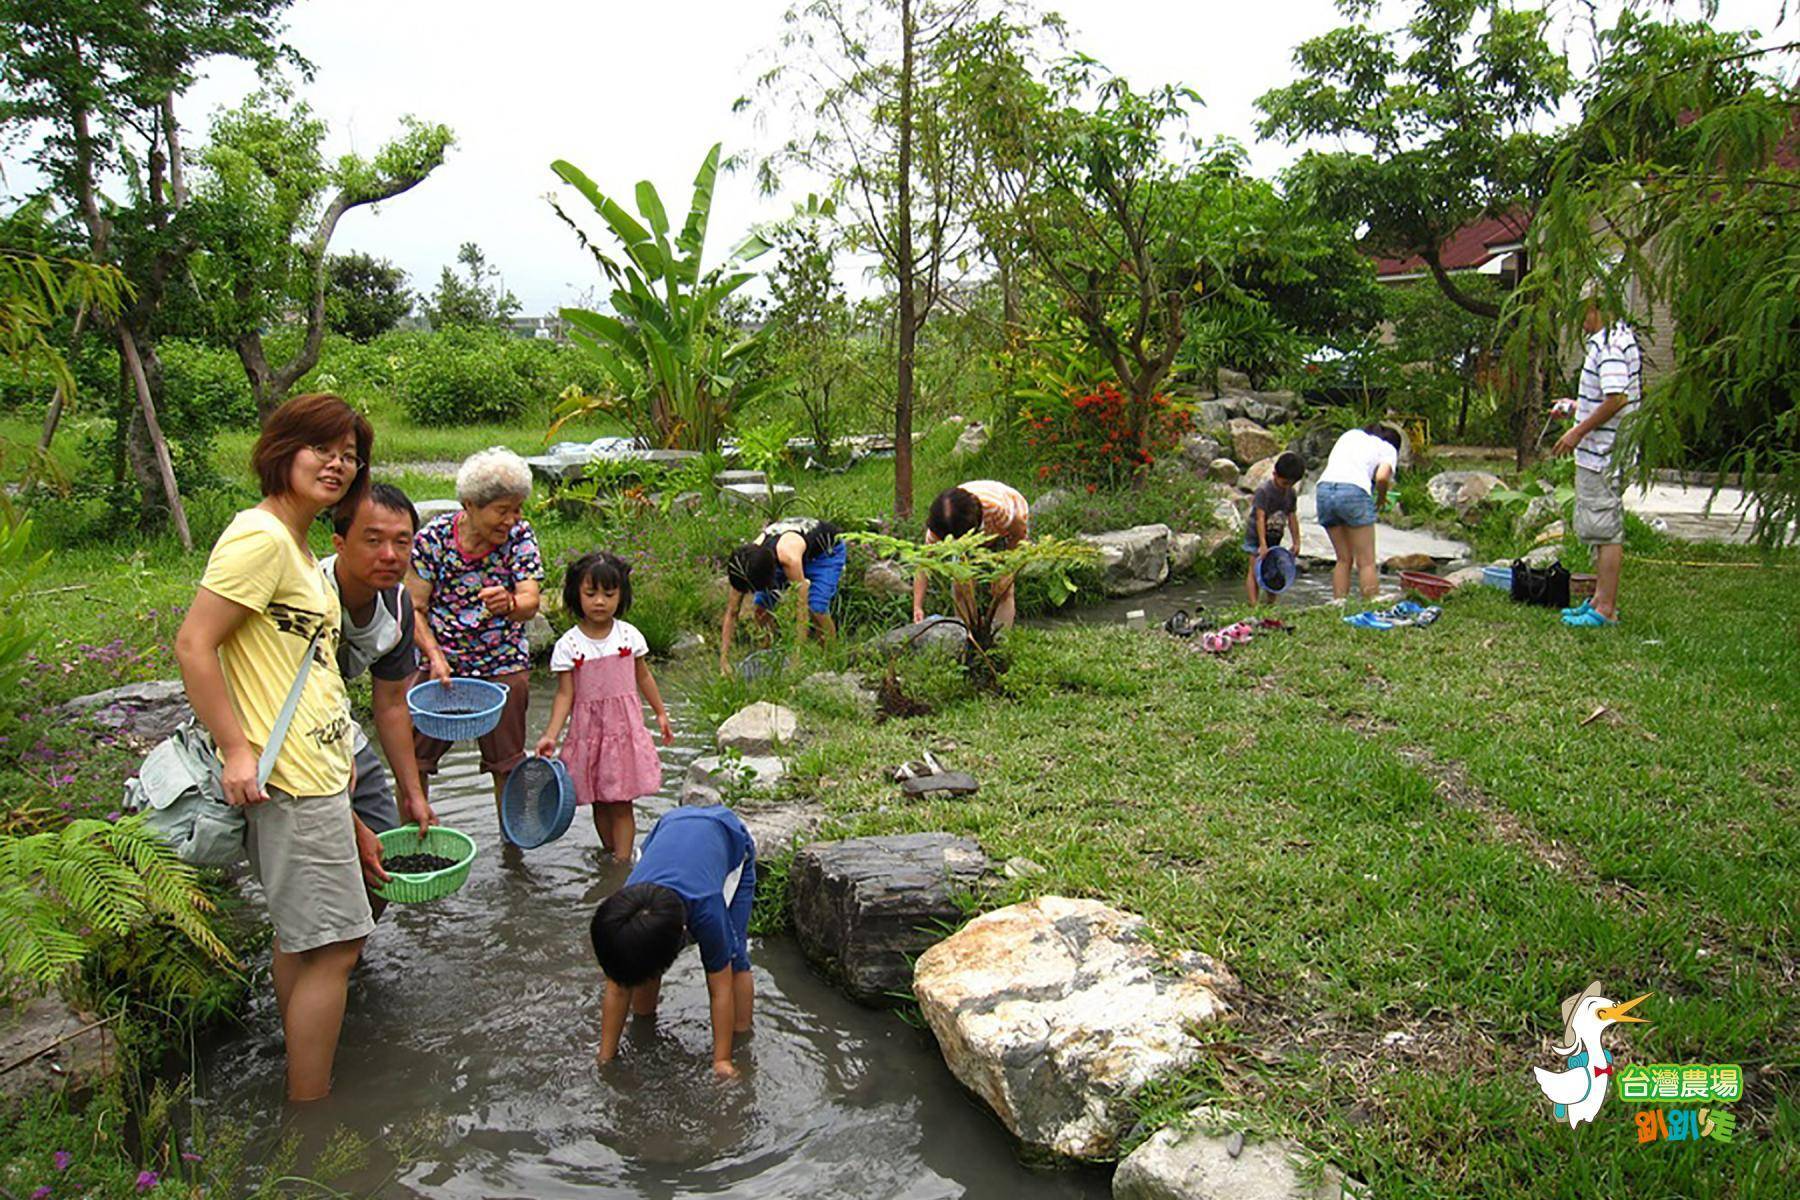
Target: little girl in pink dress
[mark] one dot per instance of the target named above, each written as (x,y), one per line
(602,680)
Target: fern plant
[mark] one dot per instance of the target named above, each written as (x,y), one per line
(63,889)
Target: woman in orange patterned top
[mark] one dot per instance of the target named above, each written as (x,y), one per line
(1002,515)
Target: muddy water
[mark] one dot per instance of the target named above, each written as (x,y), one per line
(479,1014)
(1221,599)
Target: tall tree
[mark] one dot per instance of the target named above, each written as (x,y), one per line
(365,296)
(269,204)
(865,74)
(94,86)
(1442,115)
(1680,189)
(480,301)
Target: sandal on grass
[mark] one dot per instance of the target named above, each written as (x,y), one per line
(1273,623)
(1179,624)
(1428,615)
(1215,643)
(1368,620)
(1585,606)
(1591,619)
(1240,632)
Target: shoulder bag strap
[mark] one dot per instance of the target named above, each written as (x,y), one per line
(265,765)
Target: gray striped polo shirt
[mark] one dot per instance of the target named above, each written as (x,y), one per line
(1613,365)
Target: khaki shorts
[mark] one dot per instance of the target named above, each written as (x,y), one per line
(303,851)
(1599,508)
(502,747)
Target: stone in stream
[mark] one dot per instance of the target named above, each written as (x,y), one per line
(1056,1011)
(140,712)
(1184,551)
(757,729)
(864,908)
(1396,563)
(1195,1165)
(1132,560)
(1250,441)
(709,779)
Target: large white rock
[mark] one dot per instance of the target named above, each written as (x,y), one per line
(1250,441)
(1056,1011)
(430,510)
(1223,470)
(1195,1165)
(755,493)
(757,729)
(1132,560)
(1257,474)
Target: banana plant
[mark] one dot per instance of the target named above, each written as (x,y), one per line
(663,349)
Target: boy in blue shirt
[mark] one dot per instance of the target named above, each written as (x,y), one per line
(696,876)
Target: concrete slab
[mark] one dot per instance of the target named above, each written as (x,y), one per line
(1681,511)
(1390,542)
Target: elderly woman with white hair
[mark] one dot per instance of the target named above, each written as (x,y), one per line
(476,578)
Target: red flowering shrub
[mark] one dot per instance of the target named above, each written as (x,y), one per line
(1100,436)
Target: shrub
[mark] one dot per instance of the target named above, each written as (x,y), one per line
(1088,436)
(463,377)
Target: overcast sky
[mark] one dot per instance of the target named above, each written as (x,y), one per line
(639,91)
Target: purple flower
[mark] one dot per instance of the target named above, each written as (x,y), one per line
(190,1156)
(63,1158)
(114,816)
(147,1180)
(42,1193)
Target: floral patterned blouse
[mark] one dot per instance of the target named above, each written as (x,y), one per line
(476,643)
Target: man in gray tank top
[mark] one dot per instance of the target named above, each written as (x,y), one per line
(374,546)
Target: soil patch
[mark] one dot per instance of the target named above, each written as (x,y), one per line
(417,864)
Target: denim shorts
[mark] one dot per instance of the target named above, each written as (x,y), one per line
(822,574)
(1344,504)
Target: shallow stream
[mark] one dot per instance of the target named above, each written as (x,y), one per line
(480,1013)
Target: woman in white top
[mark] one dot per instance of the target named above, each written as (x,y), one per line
(1353,486)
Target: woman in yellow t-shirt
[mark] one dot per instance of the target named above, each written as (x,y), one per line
(260,605)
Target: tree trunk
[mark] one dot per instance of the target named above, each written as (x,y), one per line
(1528,417)
(53,414)
(158,445)
(909,329)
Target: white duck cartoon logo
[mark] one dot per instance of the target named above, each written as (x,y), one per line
(1579,1091)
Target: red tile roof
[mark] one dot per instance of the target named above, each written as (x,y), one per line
(1466,249)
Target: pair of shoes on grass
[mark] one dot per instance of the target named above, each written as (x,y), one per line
(1181,625)
(1586,616)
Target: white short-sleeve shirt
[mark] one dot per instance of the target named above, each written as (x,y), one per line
(574,646)
(1613,366)
(1356,457)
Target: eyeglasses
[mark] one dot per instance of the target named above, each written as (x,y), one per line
(327,456)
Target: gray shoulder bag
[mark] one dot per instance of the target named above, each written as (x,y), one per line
(179,792)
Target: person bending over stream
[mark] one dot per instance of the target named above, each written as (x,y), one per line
(802,551)
(997,511)
(696,878)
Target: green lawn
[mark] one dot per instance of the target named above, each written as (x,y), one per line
(1410,847)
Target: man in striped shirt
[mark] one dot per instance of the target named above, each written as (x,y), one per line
(1611,386)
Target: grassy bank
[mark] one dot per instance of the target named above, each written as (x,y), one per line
(1411,845)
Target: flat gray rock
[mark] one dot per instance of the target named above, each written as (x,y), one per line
(864,908)
(144,712)
(956,783)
